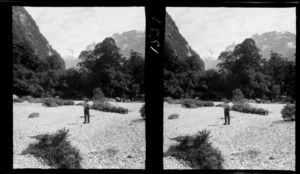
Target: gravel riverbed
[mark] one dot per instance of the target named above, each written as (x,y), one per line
(109,141)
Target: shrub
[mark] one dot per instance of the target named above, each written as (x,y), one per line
(142,111)
(33,115)
(106,107)
(56,150)
(219,105)
(50,102)
(18,100)
(247,108)
(32,100)
(198,152)
(53,102)
(172,101)
(289,112)
(69,102)
(98,95)
(37,100)
(79,104)
(193,103)
(238,96)
(168,100)
(28,98)
(173,116)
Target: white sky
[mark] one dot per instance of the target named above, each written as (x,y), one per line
(216,28)
(76,27)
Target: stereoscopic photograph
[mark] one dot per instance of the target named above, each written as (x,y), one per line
(78,87)
(229,88)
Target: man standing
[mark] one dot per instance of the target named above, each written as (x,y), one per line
(86,107)
(226,112)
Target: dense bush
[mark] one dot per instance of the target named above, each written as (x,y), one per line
(18,100)
(107,107)
(53,102)
(168,100)
(193,103)
(143,112)
(33,115)
(172,101)
(56,150)
(28,98)
(32,100)
(219,105)
(98,95)
(79,104)
(173,116)
(198,152)
(238,96)
(69,102)
(50,102)
(289,112)
(247,108)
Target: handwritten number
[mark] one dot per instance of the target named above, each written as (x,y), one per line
(154,39)
(154,19)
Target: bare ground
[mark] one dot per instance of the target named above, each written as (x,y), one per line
(110,140)
(250,141)
(118,141)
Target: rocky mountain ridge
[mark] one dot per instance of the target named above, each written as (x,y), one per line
(177,42)
(280,42)
(25,31)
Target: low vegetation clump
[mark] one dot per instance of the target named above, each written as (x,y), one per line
(98,95)
(50,102)
(170,100)
(33,115)
(289,112)
(18,100)
(193,103)
(107,107)
(219,105)
(28,98)
(56,150)
(198,152)
(142,111)
(238,97)
(69,102)
(173,116)
(247,108)
(189,103)
(79,104)
(54,102)
(32,100)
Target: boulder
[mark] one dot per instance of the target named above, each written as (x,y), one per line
(173,116)
(15,96)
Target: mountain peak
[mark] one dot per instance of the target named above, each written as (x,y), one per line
(130,40)
(25,31)
(177,42)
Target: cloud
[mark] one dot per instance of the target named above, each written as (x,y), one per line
(215,28)
(76,27)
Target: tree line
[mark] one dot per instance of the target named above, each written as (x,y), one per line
(243,68)
(103,68)
(106,69)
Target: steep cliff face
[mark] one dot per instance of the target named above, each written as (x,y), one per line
(282,43)
(177,42)
(130,40)
(25,31)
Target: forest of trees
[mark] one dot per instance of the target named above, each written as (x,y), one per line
(103,68)
(117,76)
(243,68)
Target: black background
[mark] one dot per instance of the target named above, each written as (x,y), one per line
(153,82)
